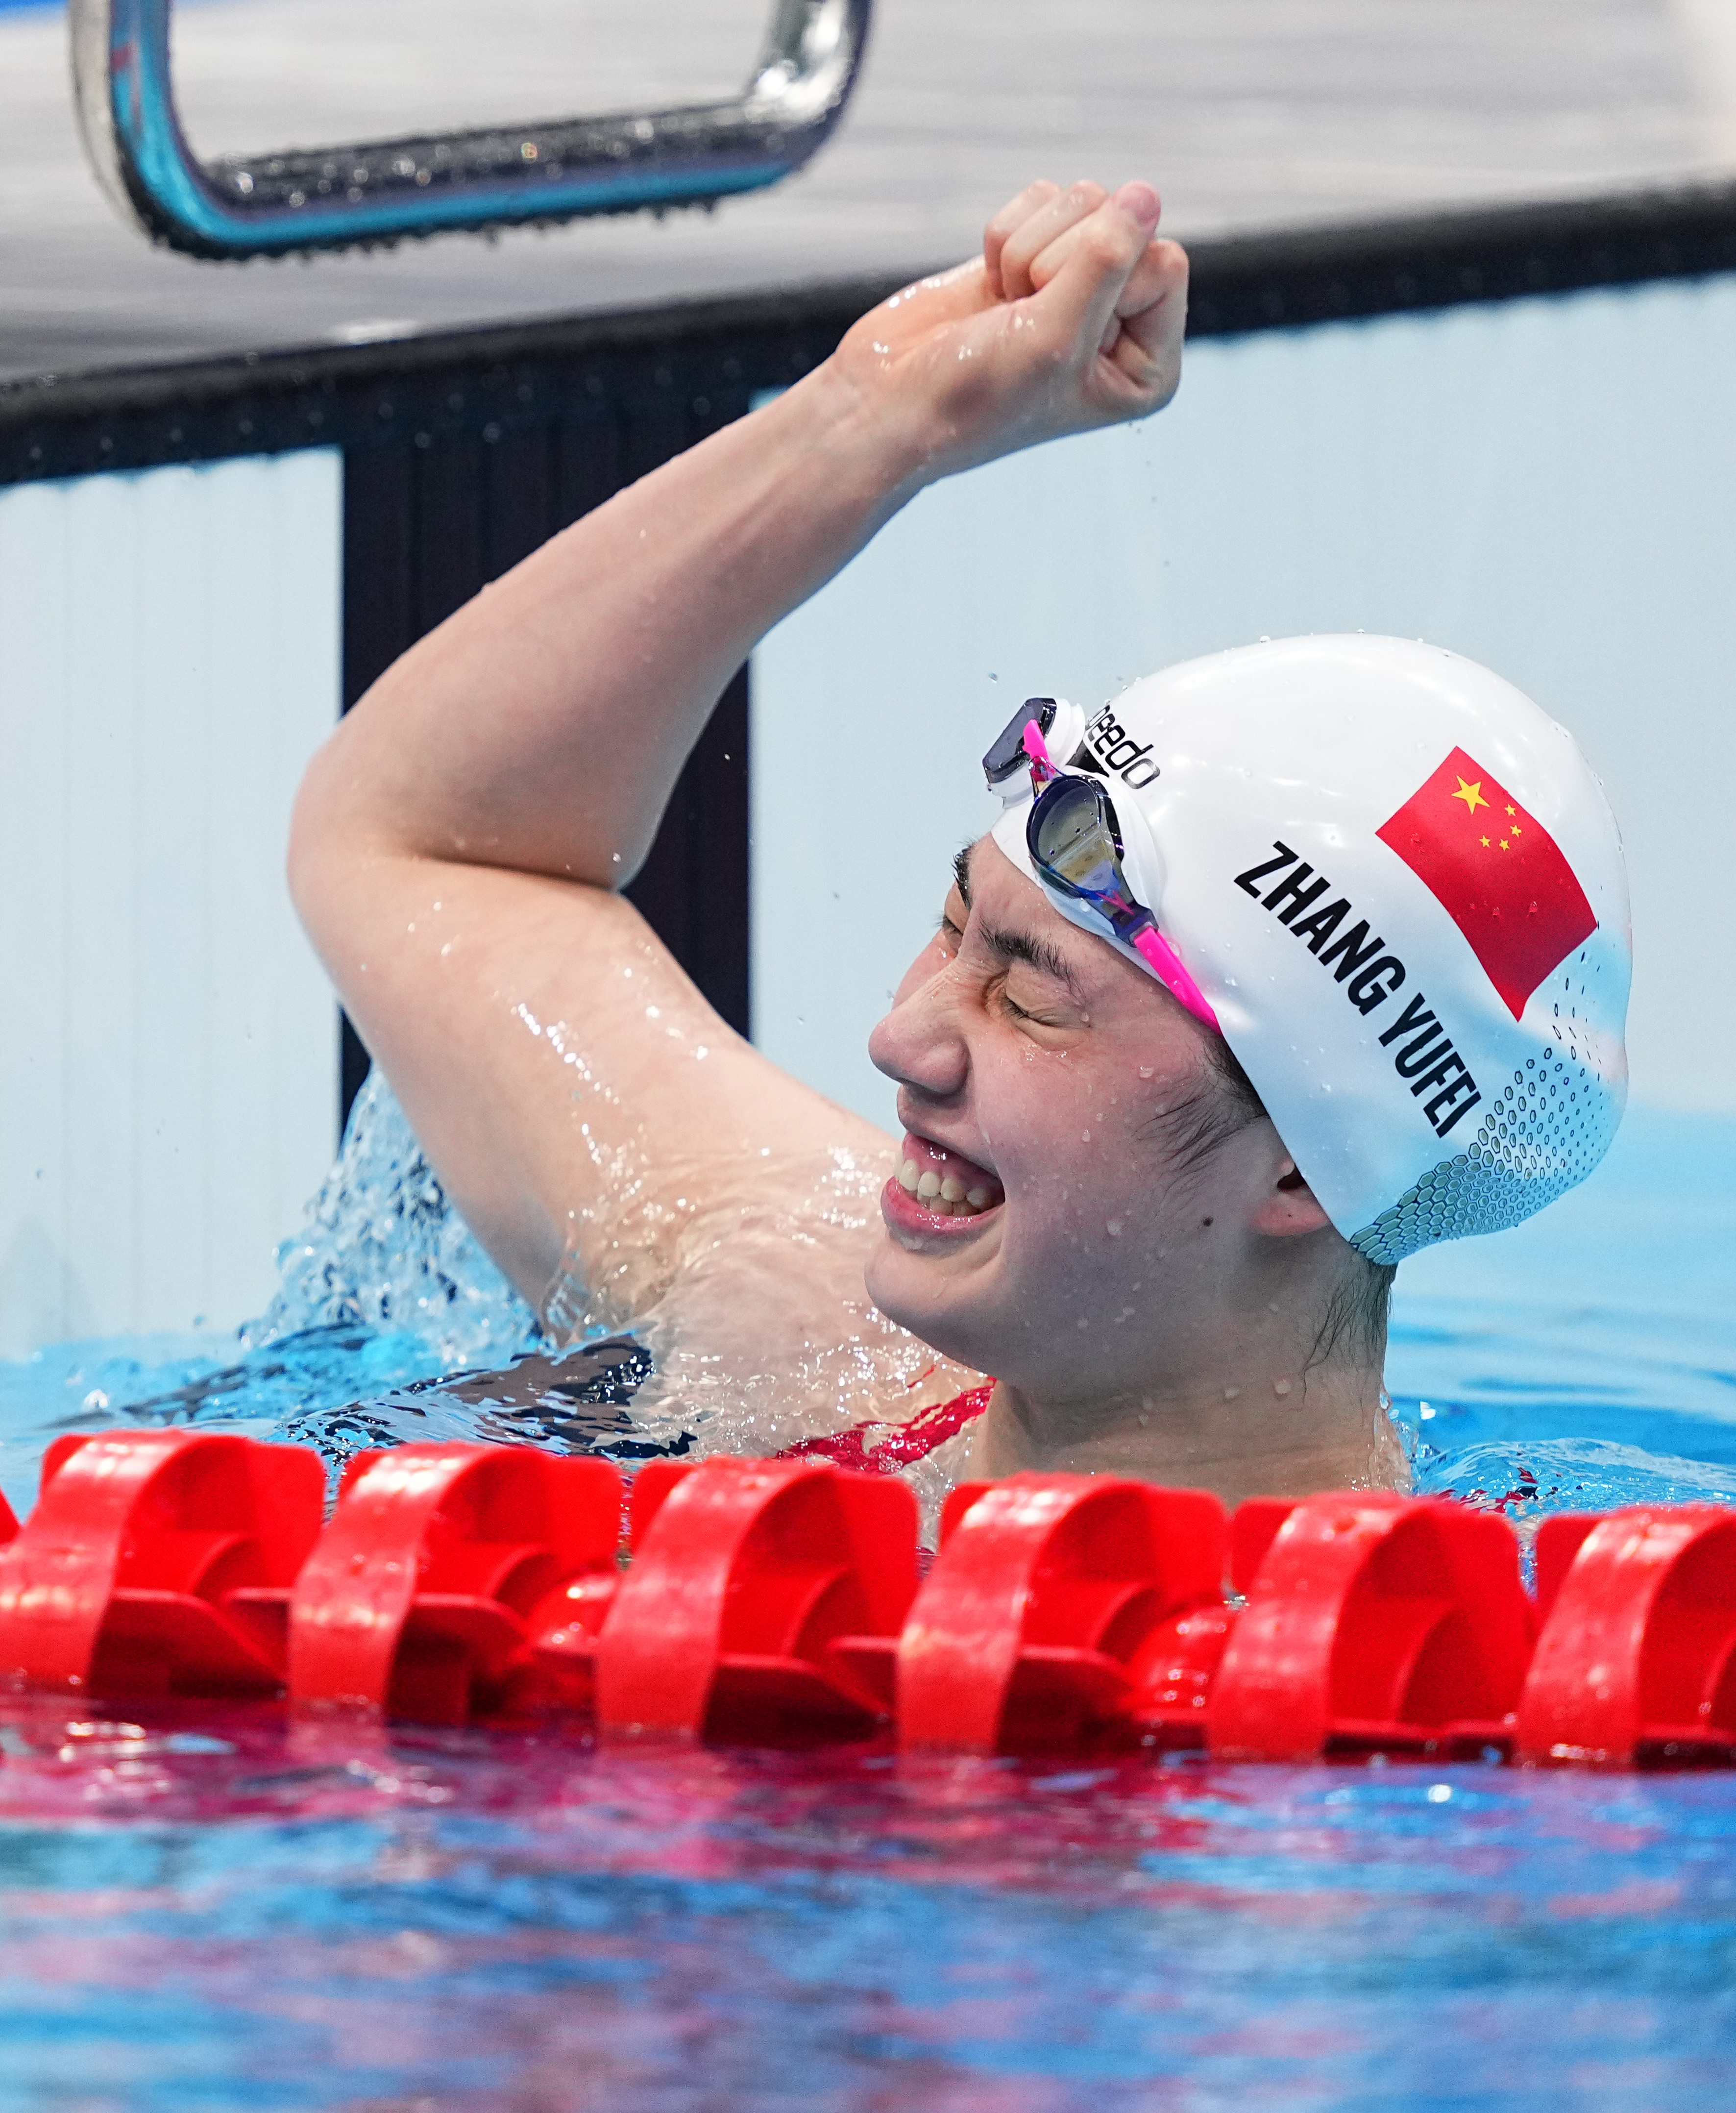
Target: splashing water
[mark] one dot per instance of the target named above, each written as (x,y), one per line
(383,1288)
(380,1247)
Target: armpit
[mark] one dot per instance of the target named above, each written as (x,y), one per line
(755,1313)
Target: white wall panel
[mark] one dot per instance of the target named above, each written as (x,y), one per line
(169,658)
(1549,485)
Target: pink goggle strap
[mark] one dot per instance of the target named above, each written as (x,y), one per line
(1042,763)
(1164,962)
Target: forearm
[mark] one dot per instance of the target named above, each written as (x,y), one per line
(543,726)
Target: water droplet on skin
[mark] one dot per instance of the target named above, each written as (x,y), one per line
(1231,1394)
(1112,1226)
(1280,1388)
(1085,1136)
(1146,1071)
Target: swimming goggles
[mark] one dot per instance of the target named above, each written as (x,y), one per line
(1077,851)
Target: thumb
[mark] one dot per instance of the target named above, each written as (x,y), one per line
(1084,272)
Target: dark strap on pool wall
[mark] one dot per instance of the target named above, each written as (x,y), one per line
(904,1443)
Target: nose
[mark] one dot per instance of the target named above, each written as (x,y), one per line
(920,1042)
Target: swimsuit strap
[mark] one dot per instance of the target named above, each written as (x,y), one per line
(904,1444)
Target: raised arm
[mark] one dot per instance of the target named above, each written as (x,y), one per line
(459,841)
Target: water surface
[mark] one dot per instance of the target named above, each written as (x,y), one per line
(204,1907)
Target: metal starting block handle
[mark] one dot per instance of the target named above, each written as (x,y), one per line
(379,191)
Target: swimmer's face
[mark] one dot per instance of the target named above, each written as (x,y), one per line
(1055,1097)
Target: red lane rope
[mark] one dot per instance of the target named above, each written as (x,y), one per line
(766,1600)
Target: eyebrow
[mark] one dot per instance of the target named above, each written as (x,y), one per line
(961,872)
(1040,953)
(1043,954)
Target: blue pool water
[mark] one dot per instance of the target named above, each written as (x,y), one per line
(203,1907)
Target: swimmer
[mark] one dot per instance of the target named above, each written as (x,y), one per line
(1276,968)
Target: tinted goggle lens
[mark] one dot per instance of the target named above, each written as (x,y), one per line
(1075,845)
(1006,753)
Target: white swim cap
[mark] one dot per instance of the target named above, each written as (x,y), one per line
(1402,889)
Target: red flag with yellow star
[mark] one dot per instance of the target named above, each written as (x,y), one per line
(1496,871)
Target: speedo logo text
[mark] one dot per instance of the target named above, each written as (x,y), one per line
(1121,755)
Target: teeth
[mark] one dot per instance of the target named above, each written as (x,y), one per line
(946,1195)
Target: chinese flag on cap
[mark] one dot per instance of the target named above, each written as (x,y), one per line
(1496,872)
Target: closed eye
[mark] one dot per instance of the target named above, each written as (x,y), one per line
(1026,949)
(1037,1015)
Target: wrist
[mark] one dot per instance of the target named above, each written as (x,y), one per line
(870,441)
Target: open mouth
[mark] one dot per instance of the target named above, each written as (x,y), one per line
(933,1188)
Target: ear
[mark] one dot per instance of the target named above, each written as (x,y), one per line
(1291,1205)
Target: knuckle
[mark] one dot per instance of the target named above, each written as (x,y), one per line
(1018,210)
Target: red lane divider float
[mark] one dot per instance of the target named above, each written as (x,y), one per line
(1374,1622)
(766,1601)
(1054,1614)
(764,1597)
(1635,1661)
(151,1563)
(442,1570)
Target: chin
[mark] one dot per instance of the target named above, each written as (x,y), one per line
(927,1298)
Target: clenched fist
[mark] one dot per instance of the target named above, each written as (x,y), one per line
(1070,318)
